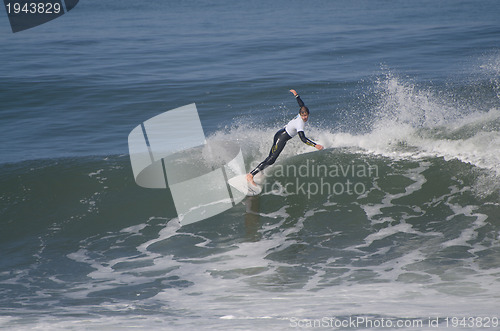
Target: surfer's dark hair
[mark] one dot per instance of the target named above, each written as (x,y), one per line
(304,109)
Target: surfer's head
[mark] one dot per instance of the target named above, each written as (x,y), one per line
(304,113)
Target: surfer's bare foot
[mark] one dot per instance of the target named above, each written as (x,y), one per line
(250,179)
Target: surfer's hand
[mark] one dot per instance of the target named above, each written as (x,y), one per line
(294,92)
(319,147)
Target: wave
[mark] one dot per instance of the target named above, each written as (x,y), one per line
(407,125)
(414,193)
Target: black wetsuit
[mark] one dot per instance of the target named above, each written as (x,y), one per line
(281,137)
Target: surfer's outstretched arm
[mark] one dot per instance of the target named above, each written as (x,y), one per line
(299,100)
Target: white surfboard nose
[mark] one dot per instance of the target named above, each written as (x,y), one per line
(241,184)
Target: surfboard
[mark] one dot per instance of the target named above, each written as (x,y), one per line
(241,184)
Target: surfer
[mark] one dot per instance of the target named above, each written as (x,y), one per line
(294,127)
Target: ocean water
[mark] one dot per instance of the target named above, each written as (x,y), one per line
(395,225)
